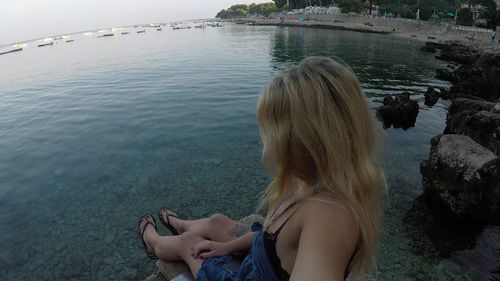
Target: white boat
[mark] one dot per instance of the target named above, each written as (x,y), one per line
(182,26)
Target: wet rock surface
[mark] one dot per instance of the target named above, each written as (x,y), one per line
(431,96)
(460,205)
(477,119)
(446,236)
(478,76)
(452,52)
(460,179)
(399,111)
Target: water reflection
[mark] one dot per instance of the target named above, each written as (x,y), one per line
(385,65)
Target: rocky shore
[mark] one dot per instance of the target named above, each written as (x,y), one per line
(463,166)
(461,177)
(315,24)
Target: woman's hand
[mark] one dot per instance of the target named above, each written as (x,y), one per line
(208,249)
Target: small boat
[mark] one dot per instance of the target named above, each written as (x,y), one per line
(11,51)
(158,29)
(125,33)
(69,41)
(141,31)
(200,26)
(106,35)
(45,44)
(182,26)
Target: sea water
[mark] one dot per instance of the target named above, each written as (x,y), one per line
(97,132)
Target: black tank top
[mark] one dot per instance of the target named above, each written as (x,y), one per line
(270,240)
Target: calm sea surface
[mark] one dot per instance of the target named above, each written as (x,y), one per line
(97,132)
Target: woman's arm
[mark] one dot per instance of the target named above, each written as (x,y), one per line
(242,243)
(208,249)
(326,243)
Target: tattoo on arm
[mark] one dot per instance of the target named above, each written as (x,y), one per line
(239,230)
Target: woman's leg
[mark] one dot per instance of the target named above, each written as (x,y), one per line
(217,227)
(174,248)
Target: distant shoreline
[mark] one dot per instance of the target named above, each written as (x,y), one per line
(97,29)
(403,28)
(323,25)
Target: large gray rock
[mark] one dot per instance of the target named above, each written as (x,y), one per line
(477,119)
(460,177)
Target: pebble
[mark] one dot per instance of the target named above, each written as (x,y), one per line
(72,270)
(109,237)
(130,273)
(109,260)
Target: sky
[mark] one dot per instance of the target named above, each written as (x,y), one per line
(22,20)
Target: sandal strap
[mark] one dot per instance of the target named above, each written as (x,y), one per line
(142,230)
(165,215)
(169,213)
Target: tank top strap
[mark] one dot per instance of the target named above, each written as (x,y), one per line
(277,232)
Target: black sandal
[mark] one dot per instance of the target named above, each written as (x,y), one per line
(167,222)
(141,231)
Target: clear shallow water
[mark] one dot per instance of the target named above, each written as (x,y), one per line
(97,132)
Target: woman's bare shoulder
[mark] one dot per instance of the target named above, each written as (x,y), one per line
(329,235)
(334,215)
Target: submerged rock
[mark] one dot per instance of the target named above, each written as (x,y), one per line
(400,111)
(433,47)
(446,74)
(434,233)
(431,96)
(460,179)
(458,53)
(477,119)
(451,52)
(444,93)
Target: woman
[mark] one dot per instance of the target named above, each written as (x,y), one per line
(323,210)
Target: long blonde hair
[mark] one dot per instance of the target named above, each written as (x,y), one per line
(318,130)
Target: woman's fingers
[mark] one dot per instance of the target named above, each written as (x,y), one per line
(202,246)
(207,255)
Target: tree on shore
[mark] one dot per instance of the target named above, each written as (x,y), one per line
(300,4)
(464,17)
(243,10)
(490,13)
(351,6)
(280,3)
(402,8)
